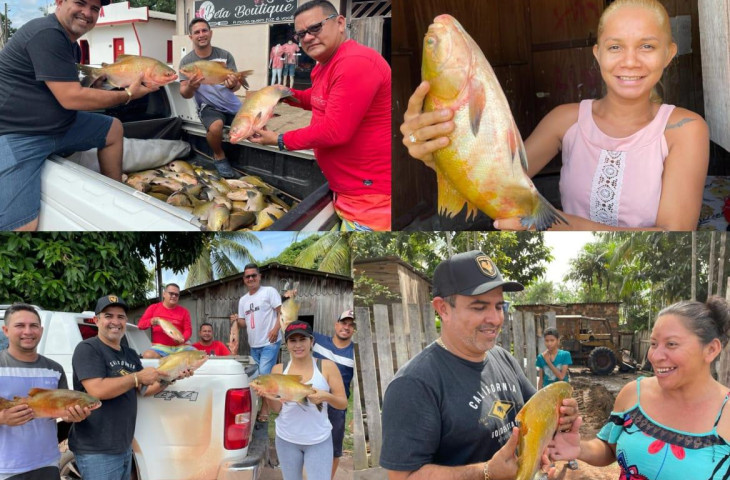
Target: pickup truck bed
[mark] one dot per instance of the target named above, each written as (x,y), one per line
(75,198)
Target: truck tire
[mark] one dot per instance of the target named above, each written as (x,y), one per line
(602,361)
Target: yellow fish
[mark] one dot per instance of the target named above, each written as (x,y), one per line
(484,166)
(256,110)
(52,403)
(287,388)
(127,68)
(538,420)
(214,73)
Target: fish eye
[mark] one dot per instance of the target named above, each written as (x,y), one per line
(430,41)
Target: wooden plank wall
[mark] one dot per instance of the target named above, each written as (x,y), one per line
(542,53)
(715,34)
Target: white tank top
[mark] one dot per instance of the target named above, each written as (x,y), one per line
(305,425)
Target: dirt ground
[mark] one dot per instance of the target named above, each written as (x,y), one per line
(595,396)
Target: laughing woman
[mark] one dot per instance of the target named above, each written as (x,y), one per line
(304,433)
(672,426)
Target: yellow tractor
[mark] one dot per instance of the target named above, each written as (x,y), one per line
(593,342)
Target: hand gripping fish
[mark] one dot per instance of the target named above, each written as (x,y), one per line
(169,329)
(286,388)
(484,166)
(52,403)
(538,420)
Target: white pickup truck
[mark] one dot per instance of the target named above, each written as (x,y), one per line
(77,198)
(200,428)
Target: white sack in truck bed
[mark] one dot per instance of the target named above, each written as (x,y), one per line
(139,154)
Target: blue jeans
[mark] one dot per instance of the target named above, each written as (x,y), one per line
(22,157)
(266,356)
(101,466)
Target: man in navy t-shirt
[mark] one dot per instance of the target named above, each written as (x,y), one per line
(340,349)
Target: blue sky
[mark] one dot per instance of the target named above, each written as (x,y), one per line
(20,11)
(272,244)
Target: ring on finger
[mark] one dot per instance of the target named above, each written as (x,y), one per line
(412,138)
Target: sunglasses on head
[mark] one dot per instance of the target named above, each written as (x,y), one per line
(312,29)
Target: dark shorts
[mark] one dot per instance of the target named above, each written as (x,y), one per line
(21,161)
(289,70)
(337,419)
(208,115)
(44,473)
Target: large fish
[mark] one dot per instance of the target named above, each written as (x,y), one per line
(484,166)
(538,420)
(172,366)
(257,109)
(290,306)
(169,329)
(52,403)
(287,388)
(127,68)
(214,73)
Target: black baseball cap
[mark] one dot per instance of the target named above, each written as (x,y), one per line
(109,301)
(469,273)
(105,2)
(301,328)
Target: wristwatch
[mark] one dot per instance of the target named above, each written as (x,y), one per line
(282,147)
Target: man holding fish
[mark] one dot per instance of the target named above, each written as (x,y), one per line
(217,104)
(28,435)
(350,127)
(44,108)
(170,323)
(111,371)
(451,411)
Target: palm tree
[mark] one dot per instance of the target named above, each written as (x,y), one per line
(332,250)
(220,251)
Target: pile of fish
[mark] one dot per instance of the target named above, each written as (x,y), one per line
(52,403)
(286,388)
(246,203)
(538,420)
(484,166)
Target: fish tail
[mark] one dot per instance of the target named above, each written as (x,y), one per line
(242,77)
(286,92)
(5,403)
(543,216)
(90,74)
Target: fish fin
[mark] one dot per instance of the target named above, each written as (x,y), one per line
(124,56)
(450,201)
(36,391)
(90,74)
(242,78)
(319,407)
(516,146)
(477,102)
(543,216)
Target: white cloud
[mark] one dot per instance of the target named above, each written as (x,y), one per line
(564,246)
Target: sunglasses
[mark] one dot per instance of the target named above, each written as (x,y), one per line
(312,29)
(253,275)
(172,294)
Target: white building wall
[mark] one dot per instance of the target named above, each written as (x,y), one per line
(101,42)
(153,36)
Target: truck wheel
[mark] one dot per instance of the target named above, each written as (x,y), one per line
(602,361)
(69,471)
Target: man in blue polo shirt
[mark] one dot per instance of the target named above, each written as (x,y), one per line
(340,349)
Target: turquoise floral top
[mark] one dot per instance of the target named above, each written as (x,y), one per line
(647,450)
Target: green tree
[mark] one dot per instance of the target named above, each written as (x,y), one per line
(329,253)
(290,253)
(173,251)
(218,255)
(70,271)
(368,291)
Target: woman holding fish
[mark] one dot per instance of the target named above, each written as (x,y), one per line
(671,426)
(303,430)
(626,156)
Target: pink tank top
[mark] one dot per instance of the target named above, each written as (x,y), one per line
(614,181)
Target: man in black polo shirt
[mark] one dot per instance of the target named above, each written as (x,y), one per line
(40,95)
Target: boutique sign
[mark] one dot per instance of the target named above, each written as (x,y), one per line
(227,13)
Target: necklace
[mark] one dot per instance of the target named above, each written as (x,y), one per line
(441,344)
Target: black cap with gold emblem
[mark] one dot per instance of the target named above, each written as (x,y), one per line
(469,273)
(108,301)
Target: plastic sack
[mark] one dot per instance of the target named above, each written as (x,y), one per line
(139,154)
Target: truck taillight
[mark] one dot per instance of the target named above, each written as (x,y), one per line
(237,426)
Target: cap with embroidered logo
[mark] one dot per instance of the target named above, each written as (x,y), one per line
(109,301)
(469,273)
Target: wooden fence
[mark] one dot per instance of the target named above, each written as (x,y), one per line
(388,337)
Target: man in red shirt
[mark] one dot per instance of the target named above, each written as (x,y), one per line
(207,344)
(179,317)
(350,127)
